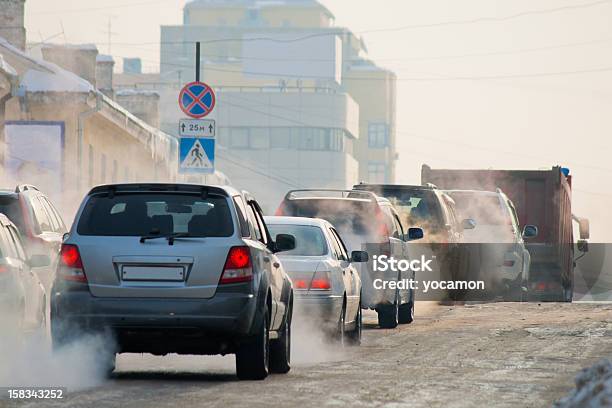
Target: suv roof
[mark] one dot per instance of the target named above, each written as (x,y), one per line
(368,186)
(331,194)
(283,220)
(164,187)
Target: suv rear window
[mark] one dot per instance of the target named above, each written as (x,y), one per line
(484,209)
(350,216)
(417,208)
(9,206)
(139,214)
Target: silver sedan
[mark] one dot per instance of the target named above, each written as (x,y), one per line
(326,284)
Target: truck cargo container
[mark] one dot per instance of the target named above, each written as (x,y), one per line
(542,198)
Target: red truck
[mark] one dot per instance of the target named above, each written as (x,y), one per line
(542,198)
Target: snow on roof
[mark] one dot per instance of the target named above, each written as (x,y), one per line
(58,81)
(6,68)
(160,145)
(104,58)
(82,47)
(134,91)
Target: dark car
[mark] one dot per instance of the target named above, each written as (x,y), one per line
(366,222)
(434,211)
(39,223)
(176,268)
(22,296)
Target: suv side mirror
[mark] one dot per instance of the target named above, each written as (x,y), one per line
(359,256)
(414,234)
(530,231)
(468,224)
(39,261)
(583,245)
(284,242)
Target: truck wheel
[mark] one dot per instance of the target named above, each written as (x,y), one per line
(354,337)
(280,349)
(109,361)
(253,357)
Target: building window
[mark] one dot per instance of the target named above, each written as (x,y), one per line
(378,135)
(259,138)
(239,138)
(280,138)
(377,172)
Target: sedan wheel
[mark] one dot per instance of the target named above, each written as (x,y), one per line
(341,334)
(280,349)
(354,337)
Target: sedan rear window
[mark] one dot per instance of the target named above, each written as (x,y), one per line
(140,214)
(309,240)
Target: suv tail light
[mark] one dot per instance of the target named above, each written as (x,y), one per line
(238,266)
(320,281)
(280,210)
(381,226)
(71,265)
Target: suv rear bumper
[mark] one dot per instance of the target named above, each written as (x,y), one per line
(160,326)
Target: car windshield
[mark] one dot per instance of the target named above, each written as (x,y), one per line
(144,214)
(484,209)
(309,239)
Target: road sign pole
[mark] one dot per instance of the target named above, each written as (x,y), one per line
(197,73)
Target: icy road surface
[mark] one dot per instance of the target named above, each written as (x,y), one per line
(502,355)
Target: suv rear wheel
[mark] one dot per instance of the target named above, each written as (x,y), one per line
(253,357)
(388,315)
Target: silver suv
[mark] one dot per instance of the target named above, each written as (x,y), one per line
(173,268)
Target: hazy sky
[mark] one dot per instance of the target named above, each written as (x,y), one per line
(481,83)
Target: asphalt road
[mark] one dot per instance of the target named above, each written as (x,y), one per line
(452,356)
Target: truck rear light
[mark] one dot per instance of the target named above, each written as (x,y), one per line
(320,281)
(238,266)
(71,265)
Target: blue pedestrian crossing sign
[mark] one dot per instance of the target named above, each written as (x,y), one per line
(197,155)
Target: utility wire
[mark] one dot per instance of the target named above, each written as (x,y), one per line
(339,30)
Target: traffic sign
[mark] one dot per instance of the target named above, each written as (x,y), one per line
(197,99)
(197,155)
(197,127)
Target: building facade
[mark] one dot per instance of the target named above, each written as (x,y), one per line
(298,104)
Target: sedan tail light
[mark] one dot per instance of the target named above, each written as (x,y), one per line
(238,266)
(320,281)
(71,265)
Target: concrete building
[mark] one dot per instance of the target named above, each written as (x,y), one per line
(59,131)
(298,104)
(12,22)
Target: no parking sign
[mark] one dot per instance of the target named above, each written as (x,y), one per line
(197,99)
